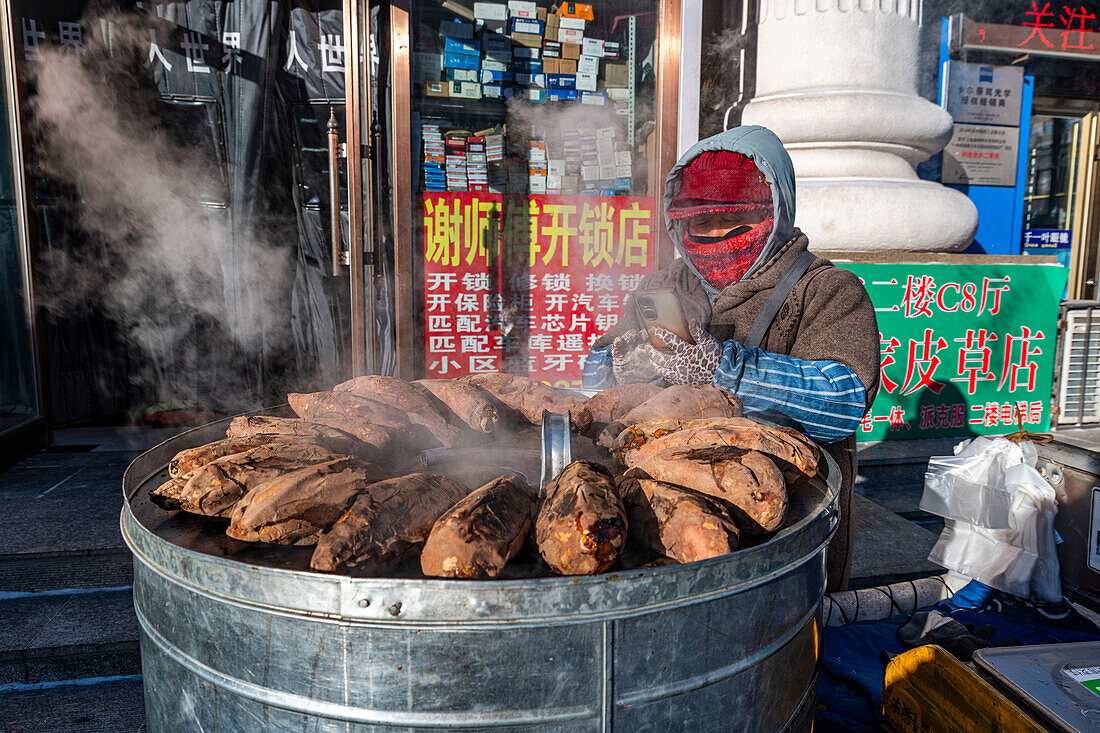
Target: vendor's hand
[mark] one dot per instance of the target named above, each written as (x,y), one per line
(632,358)
(688,363)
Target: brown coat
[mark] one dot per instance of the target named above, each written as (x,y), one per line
(828,315)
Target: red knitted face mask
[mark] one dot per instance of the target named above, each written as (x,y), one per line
(724,261)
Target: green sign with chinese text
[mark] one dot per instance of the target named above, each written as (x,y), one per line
(965,349)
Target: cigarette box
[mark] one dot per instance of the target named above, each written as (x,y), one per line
(462,46)
(551,66)
(576,10)
(537,184)
(496,91)
(624,171)
(532,80)
(488,64)
(527,39)
(595,99)
(522,9)
(616,75)
(570,35)
(561,81)
(551,50)
(491,11)
(495,77)
(427,66)
(611,49)
(592,47)
(497,45)
(536,95)
(465,90)
(556,167)
(585,82)
(456,29)
(527,66)
(588,64)
(525,52)
(567,66)
(436,89)
(532,26)
(618,94)
(561,95)
(607,172)
(574,24)
(570,50)
(460,61)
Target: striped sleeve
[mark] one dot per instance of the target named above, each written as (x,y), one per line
(598,373)
(825,396)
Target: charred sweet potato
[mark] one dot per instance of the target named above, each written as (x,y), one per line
(215,488)
(792,451)
(371,421)
(612,404)
(680,402)
(581,525)
(267,429)
(476,406)
(167,495)
(479,535)
(748,480)
(416,402)
(296,507)
(193,459)
(530,397)
(386,523)
(677,522)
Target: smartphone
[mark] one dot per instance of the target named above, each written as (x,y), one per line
(661,307)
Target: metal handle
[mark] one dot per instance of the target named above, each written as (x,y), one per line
(557,446)
(334,193)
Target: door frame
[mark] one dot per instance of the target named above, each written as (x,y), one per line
(33,435)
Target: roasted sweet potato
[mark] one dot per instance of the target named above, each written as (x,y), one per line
(269,429)
(530,397)
(612,404)
(167,495)
(296,507)
(386,523)
(793,452)
(748,480)
(680,402)
(581,525)
(192,459)
(677,522)
(479,535)
(215,488)
(371,421)
(474,405)
(416,402)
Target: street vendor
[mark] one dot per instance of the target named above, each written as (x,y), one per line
(785,331)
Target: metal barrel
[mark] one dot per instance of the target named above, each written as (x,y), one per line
(236,637)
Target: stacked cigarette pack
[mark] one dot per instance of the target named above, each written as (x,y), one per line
(456,161)
(536,166)
(477,167)
(435,156)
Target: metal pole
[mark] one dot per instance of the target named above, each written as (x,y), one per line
(356,83)
(334,192)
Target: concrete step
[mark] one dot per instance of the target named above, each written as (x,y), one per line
(62,522)
(111,705)
(67,635)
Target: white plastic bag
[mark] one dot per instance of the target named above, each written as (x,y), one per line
(999,515)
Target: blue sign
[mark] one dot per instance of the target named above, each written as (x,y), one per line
(1048,240)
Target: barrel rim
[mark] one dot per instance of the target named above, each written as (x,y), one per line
(521,601)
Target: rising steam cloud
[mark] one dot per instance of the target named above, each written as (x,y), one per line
(196,297)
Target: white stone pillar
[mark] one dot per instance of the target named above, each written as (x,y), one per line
(836,80)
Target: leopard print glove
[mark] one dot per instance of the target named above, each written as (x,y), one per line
(632,358)
(688,363)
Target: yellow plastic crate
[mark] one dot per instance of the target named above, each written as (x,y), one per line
(929,691)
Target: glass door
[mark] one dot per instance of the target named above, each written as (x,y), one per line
(528,144)
(19,400)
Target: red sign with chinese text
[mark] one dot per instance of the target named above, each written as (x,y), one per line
(525,284)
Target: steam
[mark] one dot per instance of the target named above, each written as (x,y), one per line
(199,297)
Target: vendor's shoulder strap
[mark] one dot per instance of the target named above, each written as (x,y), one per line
(776,298)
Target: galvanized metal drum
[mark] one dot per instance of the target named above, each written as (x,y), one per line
(237,637)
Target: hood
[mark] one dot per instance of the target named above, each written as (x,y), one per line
(760,145)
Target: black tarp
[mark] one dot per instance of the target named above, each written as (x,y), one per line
(246,86)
